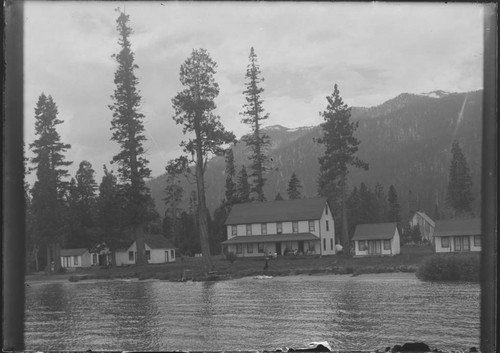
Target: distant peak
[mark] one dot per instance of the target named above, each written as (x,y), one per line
(275,127)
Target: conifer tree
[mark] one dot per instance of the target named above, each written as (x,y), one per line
(110,213)
(128,130)
(379,203)
(174,194)
(231,194)
(459,193)
(50,188)
(278,197)
(340,149)
(194,109)
(253,116)
(294,187)
(243,186)
(394,208)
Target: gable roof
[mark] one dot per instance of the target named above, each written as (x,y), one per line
(73,252)
(426,217)
(243,239)
(277,211)
(451,227)
(375,231)
(157,241)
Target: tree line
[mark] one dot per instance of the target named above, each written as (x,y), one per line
(81,213)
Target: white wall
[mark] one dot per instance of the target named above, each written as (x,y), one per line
(451,247)
(84,260)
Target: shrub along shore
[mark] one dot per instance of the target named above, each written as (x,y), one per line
(415,259)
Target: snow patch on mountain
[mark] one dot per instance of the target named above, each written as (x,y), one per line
(435,94)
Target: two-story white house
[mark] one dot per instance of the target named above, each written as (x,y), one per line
(302,226)
(425,224)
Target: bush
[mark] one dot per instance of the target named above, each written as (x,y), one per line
(450,267)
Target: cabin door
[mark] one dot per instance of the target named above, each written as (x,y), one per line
(166,256)
(301,247)
(374,247)
(278,248)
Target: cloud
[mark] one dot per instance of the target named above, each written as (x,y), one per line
(374,51)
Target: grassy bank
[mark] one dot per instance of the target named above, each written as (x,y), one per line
(450,267)
(407,261)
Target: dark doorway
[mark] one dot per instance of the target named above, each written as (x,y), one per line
(301,247)
(278,248)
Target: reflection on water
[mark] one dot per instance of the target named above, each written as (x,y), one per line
(349,312)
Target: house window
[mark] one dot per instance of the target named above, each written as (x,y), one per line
(131,256)
(362,245)
(239,248)
(148,255)
(311,246)
(324,244)
(311,226)
(331,243)
(279,228)
(250,248)
(249,229)
(75,260)
(327,226)
(263,228)
(172,256)
(477,240)
(260,247)
(295,227)
(234,231)
(326,210)
(445,242)
(387,244)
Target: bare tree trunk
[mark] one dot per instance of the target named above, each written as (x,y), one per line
(57,257)
(47,268)
(345,234)
(139,243)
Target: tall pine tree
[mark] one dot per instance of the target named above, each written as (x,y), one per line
(394,208)
(253,116)
(194,109)
(459,194)
(128,130)
(294,187)
(340,149)
(50,188)
(231,192)
(243,186)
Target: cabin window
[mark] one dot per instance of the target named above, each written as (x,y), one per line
(250,248)
(279,228)
(172,256)
(148,255)
(239,248)
(260,247)
(324,244)
(234,230)
(75,260)
(362,245)
(263,228)
(327,226)
(131,256)
(295,227)
(331,243)
(477,240)
(387,244)
(445,242)
(311,226)
(249,229)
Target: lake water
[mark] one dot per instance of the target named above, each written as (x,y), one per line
(365,312)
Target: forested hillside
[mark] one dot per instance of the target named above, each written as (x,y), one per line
(406,141)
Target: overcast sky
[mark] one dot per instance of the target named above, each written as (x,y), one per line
(373,51)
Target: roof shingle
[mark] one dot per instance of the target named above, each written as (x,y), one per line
(451,227)
(277,211)
(73,252)
(375,231)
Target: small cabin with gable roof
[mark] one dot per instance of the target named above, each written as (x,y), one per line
(376,239)
(75,258)
(281,227)
(158,250)
(458,235)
